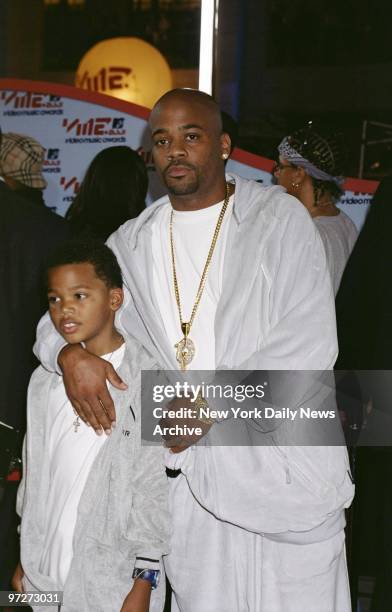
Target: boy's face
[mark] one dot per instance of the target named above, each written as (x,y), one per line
(81,305)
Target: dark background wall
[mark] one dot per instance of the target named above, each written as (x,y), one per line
(279,63)
(284,62)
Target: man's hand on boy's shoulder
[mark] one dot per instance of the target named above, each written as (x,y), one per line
(85,377)
(138,599)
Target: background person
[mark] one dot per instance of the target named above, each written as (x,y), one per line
(22,253)
(364,317)
(113,190)
(309,168)
(21,161)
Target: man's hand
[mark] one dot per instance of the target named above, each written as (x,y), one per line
(138,599)
(85,377)
(16,581)
(177,444)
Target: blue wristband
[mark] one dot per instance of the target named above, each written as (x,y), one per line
(152,576)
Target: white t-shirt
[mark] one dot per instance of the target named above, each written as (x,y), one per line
(338,234)
(192,236)
(71,454)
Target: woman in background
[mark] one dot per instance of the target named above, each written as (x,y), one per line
(113,190)
(309,168)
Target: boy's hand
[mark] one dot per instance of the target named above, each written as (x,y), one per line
(138,599)
(85,377)
(16,581)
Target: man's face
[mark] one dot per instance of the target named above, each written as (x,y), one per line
(188,147)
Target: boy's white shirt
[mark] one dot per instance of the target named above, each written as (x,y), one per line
(122,516)
(71,454)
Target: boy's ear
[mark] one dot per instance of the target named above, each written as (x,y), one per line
(116,298)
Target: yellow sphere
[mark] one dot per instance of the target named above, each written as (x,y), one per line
(127,68)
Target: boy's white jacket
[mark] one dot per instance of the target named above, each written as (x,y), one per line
(276,312)
(123,510)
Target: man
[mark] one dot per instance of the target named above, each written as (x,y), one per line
(253,528)
(27,234)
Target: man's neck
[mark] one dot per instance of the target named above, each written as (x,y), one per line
(198,201)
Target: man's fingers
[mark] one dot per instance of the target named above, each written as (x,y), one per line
(94,412)
(107,407)
(114,378)
(85,379)
(90,416)
(79,409)
(102,416)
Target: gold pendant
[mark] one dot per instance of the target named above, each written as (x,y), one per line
(185,352)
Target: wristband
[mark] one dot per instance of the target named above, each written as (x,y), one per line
(152,576)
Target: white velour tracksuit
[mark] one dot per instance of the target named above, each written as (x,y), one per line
(245,537)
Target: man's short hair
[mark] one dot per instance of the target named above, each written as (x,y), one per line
(89,251)
(187,94)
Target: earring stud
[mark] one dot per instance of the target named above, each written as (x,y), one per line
(225,155)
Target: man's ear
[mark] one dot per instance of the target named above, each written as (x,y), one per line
(116,298)
(225,145)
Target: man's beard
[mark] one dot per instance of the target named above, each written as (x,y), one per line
(183,189)
(185,186)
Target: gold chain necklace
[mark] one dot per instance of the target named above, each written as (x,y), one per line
(186,347)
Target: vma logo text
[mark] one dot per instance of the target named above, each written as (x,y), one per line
(17,103)
(95,130)
(114,77)
(70,186)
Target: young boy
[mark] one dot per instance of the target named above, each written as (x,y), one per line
(90,533)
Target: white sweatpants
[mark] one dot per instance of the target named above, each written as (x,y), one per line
(218,567)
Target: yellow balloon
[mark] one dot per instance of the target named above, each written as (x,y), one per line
(127,68)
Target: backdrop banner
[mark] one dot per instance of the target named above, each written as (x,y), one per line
(74,125)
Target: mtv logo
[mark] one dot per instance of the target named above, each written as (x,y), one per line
(118,123)
(53,153)
(54,98)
